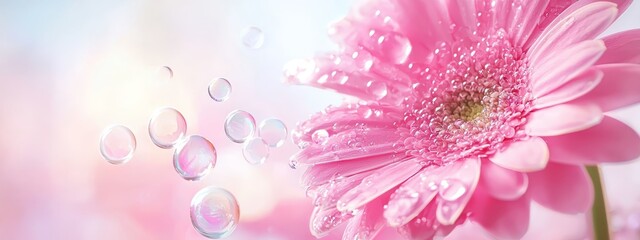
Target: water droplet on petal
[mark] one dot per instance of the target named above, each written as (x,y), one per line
(194,157)
(214,212)
(320,136)
(377,88)
(255,151)
(167,127)
(273,132)
(239,126)
(396,47)
(293,164)
(117,144)
(253,37)
(219,89)
(451,189)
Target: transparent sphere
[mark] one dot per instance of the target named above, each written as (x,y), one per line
(273,132)
(194,157)
(220,89)
(255,151)
(117,144)
(253,37)
(167,127)
(214,212)
(239,126)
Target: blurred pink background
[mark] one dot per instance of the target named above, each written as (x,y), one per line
(70,68)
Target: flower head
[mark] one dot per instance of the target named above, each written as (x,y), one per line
(465,110)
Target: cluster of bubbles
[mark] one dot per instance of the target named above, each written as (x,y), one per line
(214,211)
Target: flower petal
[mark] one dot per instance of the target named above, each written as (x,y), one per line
(413,196)
(622,47)
(327,195)
(523,156)
(523,20)
(585,23)
(503,219)
(571,90)
(367,224)
(425,225)
(456,189)
(323,173)
(620,87)
(563,188)
(563,119)
(565,65)
(376,184)
(324,220)
(502,183)
(609,141)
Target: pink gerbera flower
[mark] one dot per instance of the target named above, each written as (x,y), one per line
(466,110)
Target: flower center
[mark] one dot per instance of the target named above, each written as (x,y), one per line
(472,98)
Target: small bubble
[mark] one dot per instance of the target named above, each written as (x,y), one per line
(167,127)
(239,126)
(377,88)
(273,132)
(320,136)
(293,164)
(164,74)
(117,144)
(194,157)
(253,37)
(219,89)
(255,151)
(214,212)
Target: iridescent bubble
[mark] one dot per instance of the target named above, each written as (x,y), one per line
(167,127)
(255,151)
(239,126)
(273,132)
(253,37)
(214,212)
(117,144)
(220,90)
(194,157)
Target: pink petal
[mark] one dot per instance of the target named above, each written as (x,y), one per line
(463,15)
(379,182)
(323,173)
(502,183)
(324,220)
(609,141)
(571,90)
(327,195)
(349,145)
(565,65)
(503,219)
(623,47)
(523,156)
(583,24)
(620,87)
(563,119)
(425,225)
(412,196)
(456,188)
(367,224)
(523,20)
(563,188)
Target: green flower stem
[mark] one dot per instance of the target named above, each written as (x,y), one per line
(599,211)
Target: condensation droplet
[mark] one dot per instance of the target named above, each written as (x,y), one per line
(219,89)
(320,136)
(117,144)
(194,157)
(273,132)
(214,212)
(253,37)
(377,88)
(451,189)
(167,127)
(239,126)
(255,151)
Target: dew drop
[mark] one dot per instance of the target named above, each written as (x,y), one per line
(396,47)
(167,127)
(117,144)
(377,88)
(451,189)
(253,37)
(239,126)
(320,136)
(214,212)
(194,158)
(273,132)
(219,89)
(255,151)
